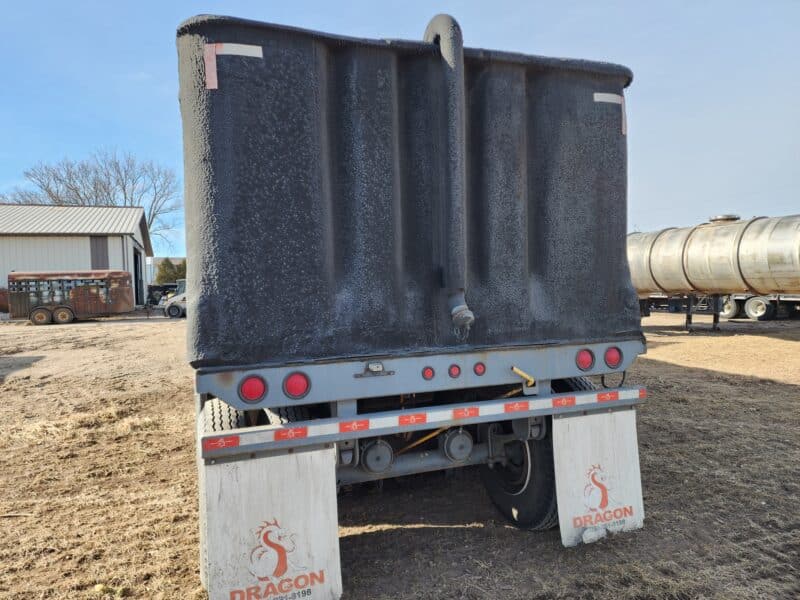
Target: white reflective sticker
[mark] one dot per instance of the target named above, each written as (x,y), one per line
(614,99)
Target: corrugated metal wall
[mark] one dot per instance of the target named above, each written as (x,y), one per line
(53,253)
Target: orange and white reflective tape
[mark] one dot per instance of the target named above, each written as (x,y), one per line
(423,418)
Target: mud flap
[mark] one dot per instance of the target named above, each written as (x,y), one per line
(269,527)
(598,484)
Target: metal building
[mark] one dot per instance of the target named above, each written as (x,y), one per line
(75,238)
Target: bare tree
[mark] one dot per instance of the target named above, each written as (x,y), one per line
(105,179)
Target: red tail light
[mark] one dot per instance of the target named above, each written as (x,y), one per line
(613,357)
(454,371)
(428,373)
(584,359)
(296,385)
(479,369)
(252,388)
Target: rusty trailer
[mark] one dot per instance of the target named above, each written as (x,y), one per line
(62,296)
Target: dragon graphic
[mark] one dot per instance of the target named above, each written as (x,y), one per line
(270,558)
(595,493)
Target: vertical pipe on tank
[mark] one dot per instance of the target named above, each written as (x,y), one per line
(444,31)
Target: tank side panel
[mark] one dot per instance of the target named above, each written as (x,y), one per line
(770,255)
(666,261)
(639,246)
(711,258)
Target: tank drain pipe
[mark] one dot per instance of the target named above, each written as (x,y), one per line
(444,31)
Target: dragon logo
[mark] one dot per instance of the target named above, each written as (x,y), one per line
(269,559)
(595,494)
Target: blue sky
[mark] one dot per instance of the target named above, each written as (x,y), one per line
(713,112)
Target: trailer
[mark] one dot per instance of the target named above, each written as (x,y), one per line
(403,257)
(727,266)
(60,297)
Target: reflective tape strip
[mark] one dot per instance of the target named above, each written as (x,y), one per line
(211,51)
(428,418)
(614,99)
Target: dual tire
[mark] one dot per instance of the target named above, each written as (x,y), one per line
(759,308)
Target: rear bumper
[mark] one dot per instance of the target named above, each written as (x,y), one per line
(324,431)
(373,377)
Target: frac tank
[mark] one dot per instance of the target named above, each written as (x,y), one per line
(727,255)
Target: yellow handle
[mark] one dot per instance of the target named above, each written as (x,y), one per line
(529,380)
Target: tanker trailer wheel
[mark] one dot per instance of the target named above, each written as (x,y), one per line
(221,417)
(287,414)
(41,316)
(759,308)
(731,308)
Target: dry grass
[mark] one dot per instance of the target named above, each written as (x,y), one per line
(99,494)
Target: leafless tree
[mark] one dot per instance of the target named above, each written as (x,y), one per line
(105,179)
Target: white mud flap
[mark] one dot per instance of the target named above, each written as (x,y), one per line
(269,527)
(598,484)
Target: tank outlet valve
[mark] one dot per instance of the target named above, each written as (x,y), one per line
(377,456)
(457,444)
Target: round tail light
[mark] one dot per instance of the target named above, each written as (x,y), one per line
(252,388)
(296,385)
(479,369)
(454,371)
(613,357)
(584,359)
(428,373)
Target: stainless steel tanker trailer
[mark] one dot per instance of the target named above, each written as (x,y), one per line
(404,256)
(753,265)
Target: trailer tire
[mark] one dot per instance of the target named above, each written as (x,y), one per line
(63,315)
(287,414)
(759,308)
(533,505)
(41,316)
(222,417)
(730,308)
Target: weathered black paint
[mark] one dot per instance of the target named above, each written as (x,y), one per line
(316,198)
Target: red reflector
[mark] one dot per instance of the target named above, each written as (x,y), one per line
(563,401)
(642,393)
(252,388)
(347,426)
(584,359)
(454,371)
(518,406)
(607,396)
(296,385)
(428,373)
(466,413)
(218,443)
(291,433)
(414,419)
(613,357)
(479,369)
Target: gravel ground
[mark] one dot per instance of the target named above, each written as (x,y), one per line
(98,490)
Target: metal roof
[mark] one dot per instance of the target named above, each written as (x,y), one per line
(45,219)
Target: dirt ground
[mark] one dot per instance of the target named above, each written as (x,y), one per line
(98,488)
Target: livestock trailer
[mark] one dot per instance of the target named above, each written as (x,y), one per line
(62,296)
(403,257)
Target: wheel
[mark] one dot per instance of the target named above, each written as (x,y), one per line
(174,311)
(730,308)
(41,316)
(759,308)
(221,417)
(63,315)
(287,414)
